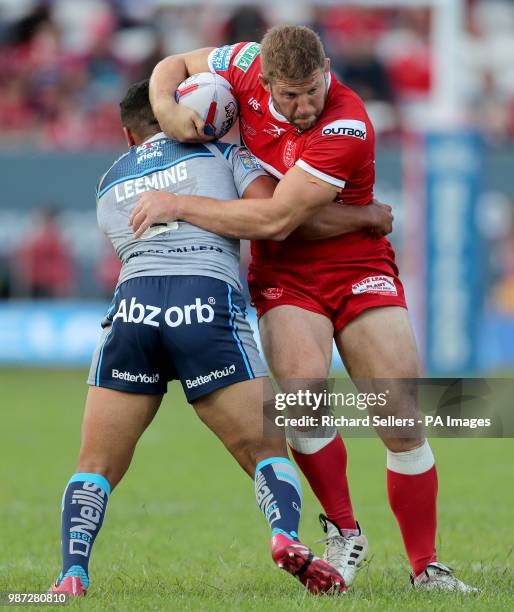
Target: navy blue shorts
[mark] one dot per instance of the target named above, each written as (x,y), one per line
(161,328)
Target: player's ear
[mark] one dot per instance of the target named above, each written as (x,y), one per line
(129,137)
(327,66)
(265,83)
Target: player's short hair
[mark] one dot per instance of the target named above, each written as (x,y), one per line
(135,108)
(291,53)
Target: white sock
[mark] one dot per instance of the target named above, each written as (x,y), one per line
(415,461)
(309,446)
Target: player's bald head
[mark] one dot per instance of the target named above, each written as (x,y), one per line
(136,111)
(291,53)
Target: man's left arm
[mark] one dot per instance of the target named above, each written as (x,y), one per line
(296,198)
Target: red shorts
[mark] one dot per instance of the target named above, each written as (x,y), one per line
(335,286)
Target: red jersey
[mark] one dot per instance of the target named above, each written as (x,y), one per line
(339,148)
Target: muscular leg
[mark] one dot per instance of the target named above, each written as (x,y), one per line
(298,348)
(379,344)
(297,343)
(235,415)
(113,423)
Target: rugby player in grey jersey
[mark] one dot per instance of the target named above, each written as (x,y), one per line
(178,313)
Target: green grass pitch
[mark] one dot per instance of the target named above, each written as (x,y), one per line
(182,531)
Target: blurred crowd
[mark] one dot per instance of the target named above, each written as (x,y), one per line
(44,259)
(67,63)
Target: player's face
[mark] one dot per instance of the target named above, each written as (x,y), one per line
(300,103)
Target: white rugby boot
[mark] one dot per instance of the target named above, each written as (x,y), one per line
(439,577)
(345,553)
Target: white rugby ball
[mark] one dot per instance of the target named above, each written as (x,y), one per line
(210,95)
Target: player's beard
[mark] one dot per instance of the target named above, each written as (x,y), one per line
(306,123)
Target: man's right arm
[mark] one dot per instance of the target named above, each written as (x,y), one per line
(176,120)
(335,219)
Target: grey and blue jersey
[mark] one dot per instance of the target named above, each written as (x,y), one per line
(217,170)
(177,312)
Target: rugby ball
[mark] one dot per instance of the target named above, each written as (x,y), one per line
(210,95)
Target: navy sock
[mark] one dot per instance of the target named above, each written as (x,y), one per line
(83,509)
(279,495)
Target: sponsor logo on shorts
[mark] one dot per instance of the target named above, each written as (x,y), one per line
(213,375)
(148,379)
(345,127)
(173,316)
(272,293)
(220,58)
(246,56)
(382,285)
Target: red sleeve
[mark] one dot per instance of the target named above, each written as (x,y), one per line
(233,62)
(336,150)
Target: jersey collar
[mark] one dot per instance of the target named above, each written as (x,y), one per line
(155,137)
(281,117)
(275,112)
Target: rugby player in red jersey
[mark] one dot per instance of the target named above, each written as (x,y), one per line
(314,134)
